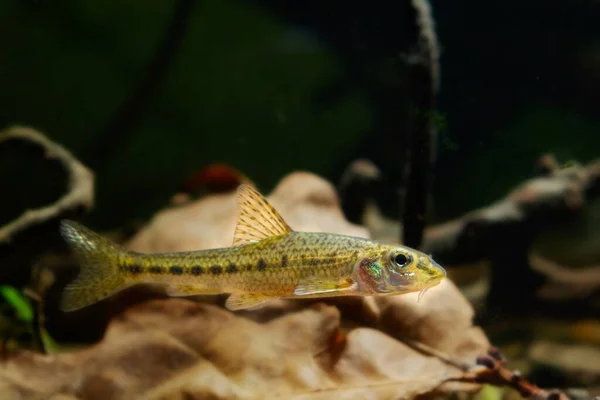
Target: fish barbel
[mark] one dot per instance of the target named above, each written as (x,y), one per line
(267,260)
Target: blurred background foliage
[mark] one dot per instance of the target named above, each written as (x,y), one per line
(270,88)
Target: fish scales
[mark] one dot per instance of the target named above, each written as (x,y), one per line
(275,265)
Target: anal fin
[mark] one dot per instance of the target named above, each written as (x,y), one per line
(309,287)
(245,301)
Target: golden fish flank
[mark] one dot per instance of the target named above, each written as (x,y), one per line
(267,260)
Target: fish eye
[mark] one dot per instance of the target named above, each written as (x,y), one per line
(401,260)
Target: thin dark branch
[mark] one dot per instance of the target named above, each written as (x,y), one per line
(495,372)
(131,111)
(423,86)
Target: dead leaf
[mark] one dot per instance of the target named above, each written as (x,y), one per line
(344,348)
(176,348)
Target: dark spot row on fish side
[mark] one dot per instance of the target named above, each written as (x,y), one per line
(232,268)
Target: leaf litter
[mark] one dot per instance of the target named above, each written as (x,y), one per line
(385,348)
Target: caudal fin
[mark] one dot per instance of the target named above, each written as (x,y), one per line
(98,260)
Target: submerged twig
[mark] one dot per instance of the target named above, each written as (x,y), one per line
(430,351)
(423,86)
(496,373)
(531,206)
(565,282)
(80,192)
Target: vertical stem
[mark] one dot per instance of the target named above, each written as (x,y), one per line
(133,108)
(423,87)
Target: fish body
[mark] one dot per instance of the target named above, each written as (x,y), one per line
(267,260)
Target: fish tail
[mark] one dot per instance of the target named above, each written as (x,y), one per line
(98,259)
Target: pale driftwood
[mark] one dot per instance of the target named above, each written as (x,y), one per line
(80,184)
(506,228)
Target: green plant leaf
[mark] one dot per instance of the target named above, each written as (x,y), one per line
(18,301)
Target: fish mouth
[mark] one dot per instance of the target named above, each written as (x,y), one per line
(431,282)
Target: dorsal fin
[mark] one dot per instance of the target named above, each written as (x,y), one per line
(257,219)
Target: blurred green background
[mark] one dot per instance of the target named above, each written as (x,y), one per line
(244,86)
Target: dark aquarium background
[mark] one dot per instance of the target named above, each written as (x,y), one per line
(467,129)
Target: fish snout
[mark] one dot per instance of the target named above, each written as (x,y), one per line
(440,270)
(434,271)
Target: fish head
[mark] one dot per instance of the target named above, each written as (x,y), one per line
(396,269)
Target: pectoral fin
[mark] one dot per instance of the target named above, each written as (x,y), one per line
(245,301)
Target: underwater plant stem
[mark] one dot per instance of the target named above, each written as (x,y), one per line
(423,87)
(37,322)
(493,371)
(132,109)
